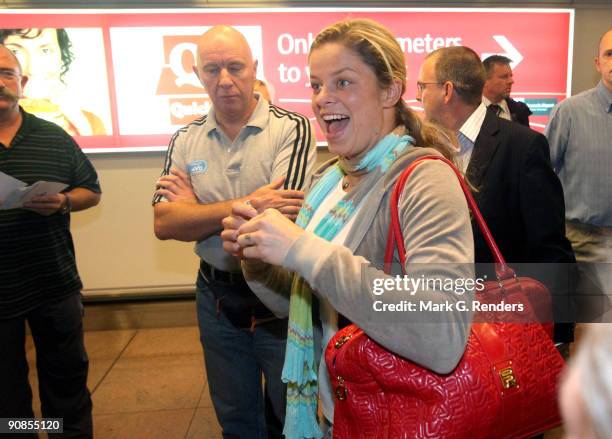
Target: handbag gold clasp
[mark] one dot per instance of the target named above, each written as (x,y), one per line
(340,342)
(507,377)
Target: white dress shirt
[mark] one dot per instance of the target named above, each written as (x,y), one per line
(505,111)
(467,136)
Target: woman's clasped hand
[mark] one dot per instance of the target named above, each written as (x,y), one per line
(266,236)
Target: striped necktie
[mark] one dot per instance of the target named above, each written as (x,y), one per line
(496,109)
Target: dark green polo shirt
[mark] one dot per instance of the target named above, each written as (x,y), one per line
(37,261)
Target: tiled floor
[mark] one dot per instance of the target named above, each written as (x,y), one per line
(148,383)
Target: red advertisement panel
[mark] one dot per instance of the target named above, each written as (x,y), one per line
(128,83)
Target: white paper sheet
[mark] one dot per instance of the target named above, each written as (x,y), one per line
(14,193)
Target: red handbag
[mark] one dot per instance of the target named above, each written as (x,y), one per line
(503,387)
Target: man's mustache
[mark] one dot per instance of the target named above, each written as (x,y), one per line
(8,95)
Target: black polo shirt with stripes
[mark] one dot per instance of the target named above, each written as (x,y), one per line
(37,260)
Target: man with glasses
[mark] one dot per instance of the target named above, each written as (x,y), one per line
(40,283)
(517,190)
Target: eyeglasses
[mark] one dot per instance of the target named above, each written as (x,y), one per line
(9,74)
(421,85)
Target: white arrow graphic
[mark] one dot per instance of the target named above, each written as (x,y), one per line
(511,51)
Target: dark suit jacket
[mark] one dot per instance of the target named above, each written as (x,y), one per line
(521,200)
(519,112)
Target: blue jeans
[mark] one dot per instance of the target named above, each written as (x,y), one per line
(235,360)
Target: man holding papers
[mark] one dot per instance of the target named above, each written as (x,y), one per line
(39,280)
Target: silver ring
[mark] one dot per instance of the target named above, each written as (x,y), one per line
(247,237)
(248,202)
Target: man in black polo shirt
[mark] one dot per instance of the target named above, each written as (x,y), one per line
(38,276)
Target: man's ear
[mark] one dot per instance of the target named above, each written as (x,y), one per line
(23,81)
(449,91)
(597,66)
(392,94)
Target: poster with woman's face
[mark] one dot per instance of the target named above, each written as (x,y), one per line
(65,70)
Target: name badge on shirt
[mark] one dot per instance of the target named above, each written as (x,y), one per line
(197,167)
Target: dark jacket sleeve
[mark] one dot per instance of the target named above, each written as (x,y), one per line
(543,207)
(552,259)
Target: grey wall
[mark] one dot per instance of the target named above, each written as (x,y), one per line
(116,250)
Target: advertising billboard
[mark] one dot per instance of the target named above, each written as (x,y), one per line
(122,80)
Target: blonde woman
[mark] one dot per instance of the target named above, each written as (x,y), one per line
(333,255)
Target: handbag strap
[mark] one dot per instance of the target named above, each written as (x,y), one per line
(396,240)
(487,335)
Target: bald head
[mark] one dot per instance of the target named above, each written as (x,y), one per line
(223,36)
(603,62)
(606,34)
(226,69)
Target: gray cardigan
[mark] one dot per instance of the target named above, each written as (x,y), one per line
(439,244)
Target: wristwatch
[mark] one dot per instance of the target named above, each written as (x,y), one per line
(67,206)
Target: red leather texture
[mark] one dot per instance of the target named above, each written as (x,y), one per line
(503,387)
(388,397)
